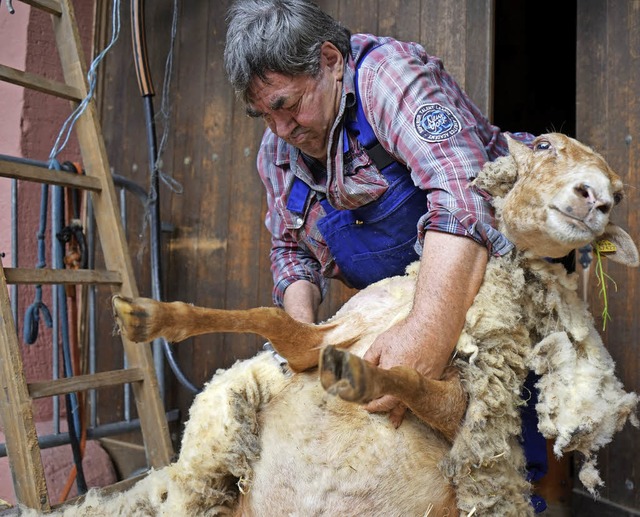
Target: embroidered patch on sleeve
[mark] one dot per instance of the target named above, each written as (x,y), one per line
(435,123)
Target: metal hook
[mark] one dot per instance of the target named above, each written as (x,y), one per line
(10,6)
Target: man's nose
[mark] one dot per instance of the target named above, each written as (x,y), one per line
(284,125)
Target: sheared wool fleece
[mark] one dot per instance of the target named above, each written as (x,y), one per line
(528,316)
(219,446)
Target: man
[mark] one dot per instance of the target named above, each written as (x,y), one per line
(367,160)
(367,157)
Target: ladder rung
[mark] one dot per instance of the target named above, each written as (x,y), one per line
(84,382)
(48,6)
(117,488)
(39,83)
(24,171)
(17,275)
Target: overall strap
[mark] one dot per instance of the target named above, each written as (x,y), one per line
(361,128)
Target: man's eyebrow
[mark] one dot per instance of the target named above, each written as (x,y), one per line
(278,103)
(275,105)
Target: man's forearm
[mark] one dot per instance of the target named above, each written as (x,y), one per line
(451,271)
(301,300)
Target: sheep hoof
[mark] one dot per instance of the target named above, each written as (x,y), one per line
(133,317)
(343,374)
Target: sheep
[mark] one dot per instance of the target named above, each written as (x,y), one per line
(279,442)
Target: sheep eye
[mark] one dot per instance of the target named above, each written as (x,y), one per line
(542,146)
(617,197)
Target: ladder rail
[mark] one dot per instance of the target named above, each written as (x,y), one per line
(16,411)
(37,174)
(111,235)
(16,399)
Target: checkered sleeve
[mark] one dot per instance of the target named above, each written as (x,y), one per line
(290,260)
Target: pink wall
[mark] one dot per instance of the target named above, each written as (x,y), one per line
(29,124)
(13,52)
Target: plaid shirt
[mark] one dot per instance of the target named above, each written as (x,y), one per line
(395,81)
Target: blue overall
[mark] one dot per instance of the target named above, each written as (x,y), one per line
(377,241)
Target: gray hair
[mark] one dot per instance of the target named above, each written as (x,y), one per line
(281,36)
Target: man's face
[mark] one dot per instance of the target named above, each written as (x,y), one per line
(301,109)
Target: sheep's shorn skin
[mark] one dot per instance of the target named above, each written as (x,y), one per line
(263,440)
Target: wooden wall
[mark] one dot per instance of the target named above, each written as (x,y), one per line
(608,118)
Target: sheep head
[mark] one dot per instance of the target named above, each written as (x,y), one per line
(559,197)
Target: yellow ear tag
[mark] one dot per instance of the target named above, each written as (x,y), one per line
(605,246)
(600,247)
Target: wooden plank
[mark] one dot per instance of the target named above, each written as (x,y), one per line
(479,47)
(584,505)
(94,156)
(120,486)
(460,32)
(48,6)
(16,414)
(195,246)
(621,121)
(608,116)
(400,19)
(62,276)
(50,388)
(358,15)
(442,35)
(39,83)
(28,172)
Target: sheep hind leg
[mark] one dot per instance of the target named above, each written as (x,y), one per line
(441,404)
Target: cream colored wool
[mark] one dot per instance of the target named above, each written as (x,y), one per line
(291,447)
(486,463)
(220,443)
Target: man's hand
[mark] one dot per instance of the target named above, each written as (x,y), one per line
(451,271)
(402,344)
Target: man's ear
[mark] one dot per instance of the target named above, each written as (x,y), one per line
(331,57)
(617,245)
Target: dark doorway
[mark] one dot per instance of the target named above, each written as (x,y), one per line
(535,66)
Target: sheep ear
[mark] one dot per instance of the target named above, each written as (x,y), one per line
(617,245)
(518,150)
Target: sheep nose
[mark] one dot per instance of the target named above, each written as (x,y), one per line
(585,191)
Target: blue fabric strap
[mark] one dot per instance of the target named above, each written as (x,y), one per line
(361,128)
(298,196)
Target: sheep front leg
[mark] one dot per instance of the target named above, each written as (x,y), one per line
(143,319)
(441,404)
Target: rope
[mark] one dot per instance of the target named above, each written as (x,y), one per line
(67,126)
(165,108)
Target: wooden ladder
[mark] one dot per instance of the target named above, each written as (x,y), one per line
(16,396)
